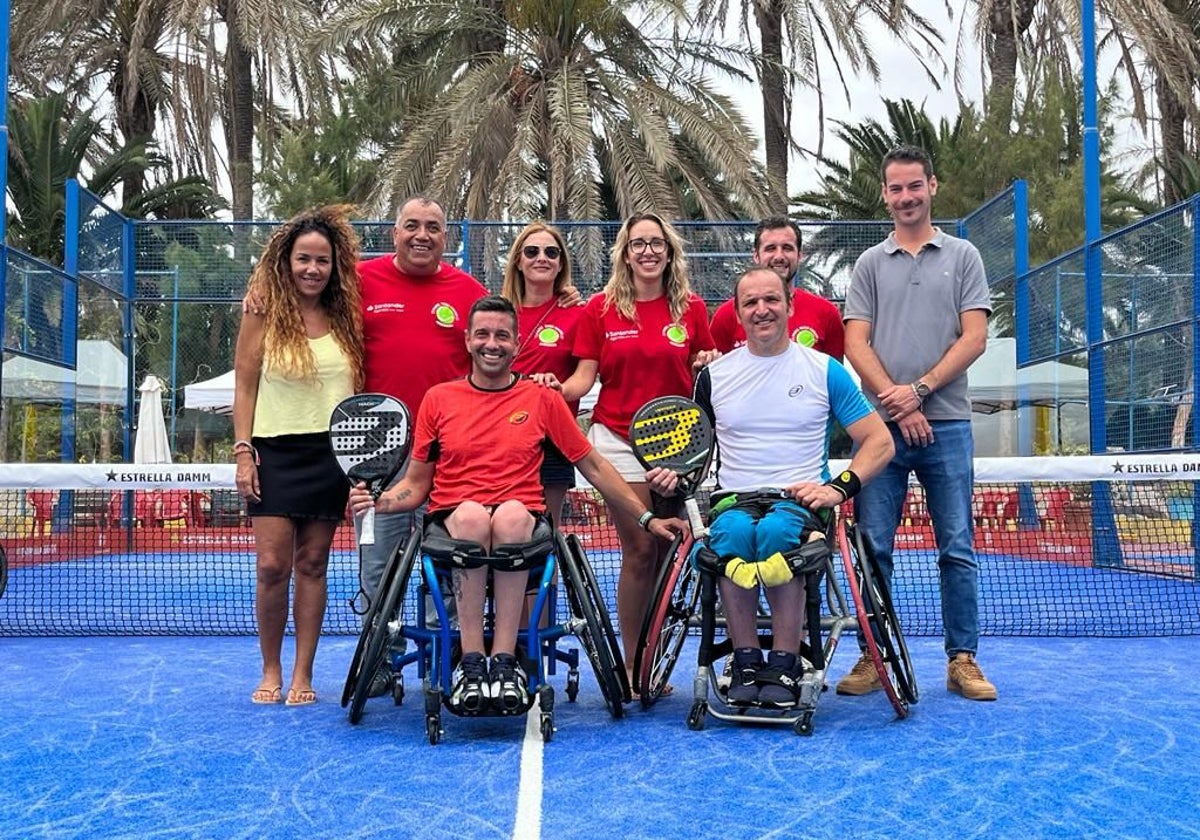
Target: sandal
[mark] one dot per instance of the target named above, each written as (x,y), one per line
(267,695)
(301,697)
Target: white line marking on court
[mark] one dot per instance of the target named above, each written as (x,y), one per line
(528,824)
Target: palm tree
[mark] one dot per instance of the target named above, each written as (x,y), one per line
(267,55)
(50,143)
(812,37)
(568,101)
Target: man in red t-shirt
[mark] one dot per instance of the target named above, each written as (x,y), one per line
(814,322)
(477,456)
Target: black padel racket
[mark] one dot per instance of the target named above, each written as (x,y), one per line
(675,433)
(371,435)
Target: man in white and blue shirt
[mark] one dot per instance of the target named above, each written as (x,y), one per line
(773,404)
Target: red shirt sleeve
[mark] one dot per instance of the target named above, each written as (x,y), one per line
(724,327)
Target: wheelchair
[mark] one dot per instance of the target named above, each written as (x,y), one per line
(433,554)
(685,600)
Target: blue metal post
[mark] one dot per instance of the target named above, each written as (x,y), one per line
(129,292)
(1195,201)
(1106,550)
(174,354)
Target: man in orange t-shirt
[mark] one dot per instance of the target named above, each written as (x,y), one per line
(477,456)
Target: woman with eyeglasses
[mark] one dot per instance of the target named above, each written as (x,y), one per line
(642,335)
(537,281)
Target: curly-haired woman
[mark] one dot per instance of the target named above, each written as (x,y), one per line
(293,364)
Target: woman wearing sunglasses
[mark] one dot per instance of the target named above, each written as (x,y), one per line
(537,281)
(642,335)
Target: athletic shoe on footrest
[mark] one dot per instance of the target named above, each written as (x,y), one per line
(509,684)
(743,690)
(862,679)
(381,681)
(779,681)
(965,677)
(471,689)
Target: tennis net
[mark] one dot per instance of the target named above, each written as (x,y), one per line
(1081,546)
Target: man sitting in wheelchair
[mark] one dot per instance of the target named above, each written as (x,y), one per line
(773,403)
(477,453)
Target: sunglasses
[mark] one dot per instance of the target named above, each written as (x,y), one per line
(552,252)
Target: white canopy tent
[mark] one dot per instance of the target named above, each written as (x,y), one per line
(214,394)
(100,376)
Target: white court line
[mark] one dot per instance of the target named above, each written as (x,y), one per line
(528,824)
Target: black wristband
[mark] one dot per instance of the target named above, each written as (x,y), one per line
(644,520)
(846,483)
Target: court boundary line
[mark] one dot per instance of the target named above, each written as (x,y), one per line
(528,822)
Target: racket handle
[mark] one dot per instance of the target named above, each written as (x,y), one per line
(366,530)
(699,529)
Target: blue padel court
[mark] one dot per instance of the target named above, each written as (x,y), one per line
(156,737)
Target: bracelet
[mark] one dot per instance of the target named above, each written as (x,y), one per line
(846,483)
(245,447)
(644,520)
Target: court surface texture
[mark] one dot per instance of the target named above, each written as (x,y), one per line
(156,738)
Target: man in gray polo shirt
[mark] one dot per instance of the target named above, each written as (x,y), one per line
(916,318)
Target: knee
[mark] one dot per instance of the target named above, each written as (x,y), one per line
(511,523)
(312,563)
(470,521)
(272,569)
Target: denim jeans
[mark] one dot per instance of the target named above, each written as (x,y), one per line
(946,470)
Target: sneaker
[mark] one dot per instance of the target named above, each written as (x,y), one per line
(862,679)
(964,676)
(470,692)
(779,681)
(510,685)
(743,691)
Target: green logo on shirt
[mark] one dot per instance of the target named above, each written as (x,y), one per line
(676,334)
(445,315)
(805,336)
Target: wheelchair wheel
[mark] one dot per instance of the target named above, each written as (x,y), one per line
(873,626)
(375,636)
(878,599)
(664,630)
(606,624)
(595,634)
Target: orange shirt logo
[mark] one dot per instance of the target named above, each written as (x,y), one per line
(518,417)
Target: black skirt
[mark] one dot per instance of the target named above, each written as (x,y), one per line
(299,478)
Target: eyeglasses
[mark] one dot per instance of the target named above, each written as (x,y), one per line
(656,245)
(552,252)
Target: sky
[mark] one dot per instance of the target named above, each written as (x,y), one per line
(900,78)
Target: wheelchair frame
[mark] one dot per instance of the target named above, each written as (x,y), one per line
(686,598)
(436,639)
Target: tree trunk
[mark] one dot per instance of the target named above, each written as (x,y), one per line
(777,104)
(1007,24)
(1172,119)
(239,113)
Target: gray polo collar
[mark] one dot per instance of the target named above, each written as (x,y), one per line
(891,246)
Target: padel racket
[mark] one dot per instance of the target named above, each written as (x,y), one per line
(371,435)
(675,433)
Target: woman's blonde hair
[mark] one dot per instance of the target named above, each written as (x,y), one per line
(285,344)
(513,287)
(619,291)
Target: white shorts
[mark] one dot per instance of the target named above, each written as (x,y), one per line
(617,451)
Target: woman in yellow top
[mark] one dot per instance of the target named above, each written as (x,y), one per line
(293,364)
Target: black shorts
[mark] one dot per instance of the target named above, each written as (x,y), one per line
(299,478)
(557,471)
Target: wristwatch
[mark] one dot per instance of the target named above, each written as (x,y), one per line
(921,390)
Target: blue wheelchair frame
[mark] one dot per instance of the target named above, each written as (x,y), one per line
(435,637)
